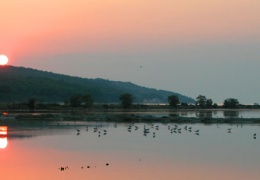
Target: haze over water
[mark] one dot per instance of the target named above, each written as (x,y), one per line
(115,151)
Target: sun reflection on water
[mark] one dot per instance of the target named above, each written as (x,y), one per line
(115,151)
(3,137)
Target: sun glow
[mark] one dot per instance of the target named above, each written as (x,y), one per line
(3,60)
(3,130)
(3,137)
(3,143)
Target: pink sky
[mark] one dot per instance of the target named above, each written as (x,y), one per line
(35,30)
(29,27)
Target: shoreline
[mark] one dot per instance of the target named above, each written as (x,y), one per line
(163,116)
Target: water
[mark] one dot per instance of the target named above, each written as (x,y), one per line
(200,113)
(246,113)
(123,151)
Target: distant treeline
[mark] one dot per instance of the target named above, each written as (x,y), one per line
(86,103)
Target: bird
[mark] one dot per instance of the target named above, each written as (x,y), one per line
(146,130)
(197,131)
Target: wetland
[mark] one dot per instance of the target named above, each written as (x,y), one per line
(130,145)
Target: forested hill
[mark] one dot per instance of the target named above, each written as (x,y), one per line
(20,84)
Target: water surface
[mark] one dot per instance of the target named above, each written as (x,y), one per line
(116,151)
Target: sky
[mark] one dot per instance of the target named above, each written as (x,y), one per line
(192,47)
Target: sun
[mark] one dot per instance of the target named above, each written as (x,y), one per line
(3,60)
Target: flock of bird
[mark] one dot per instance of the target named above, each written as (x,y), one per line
(147,129)
(63,168)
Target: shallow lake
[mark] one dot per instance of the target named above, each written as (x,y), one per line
(127,151)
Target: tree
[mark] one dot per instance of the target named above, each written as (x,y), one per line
(126,100)
(84,100)
(31,104)
(215,105)
(87,100)
(230,103)
(75,100)
(209,102)
(173,100)
(201,101)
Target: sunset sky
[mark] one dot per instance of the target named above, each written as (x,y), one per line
(208,47)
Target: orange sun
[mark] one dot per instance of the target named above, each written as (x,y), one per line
(3,60)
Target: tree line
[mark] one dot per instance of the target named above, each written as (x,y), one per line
(174,101)
(127,100)
(203,102)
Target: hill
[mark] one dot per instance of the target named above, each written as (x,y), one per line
(20,84)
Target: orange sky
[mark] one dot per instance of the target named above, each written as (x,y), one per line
(96,25)
(169,37)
